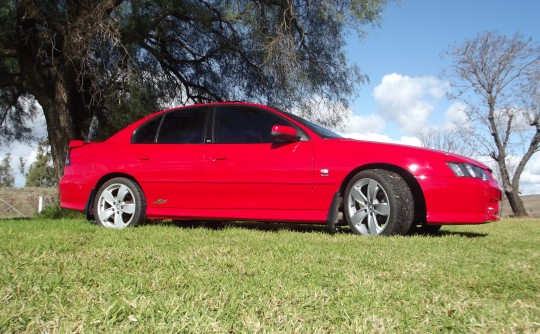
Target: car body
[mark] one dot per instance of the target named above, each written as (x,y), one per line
(242,161)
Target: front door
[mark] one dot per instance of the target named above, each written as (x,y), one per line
(249,170)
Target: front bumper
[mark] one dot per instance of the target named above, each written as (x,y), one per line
(462,200)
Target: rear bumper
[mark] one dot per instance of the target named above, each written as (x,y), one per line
(74,194)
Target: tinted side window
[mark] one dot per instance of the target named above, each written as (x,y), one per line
(244,125)
(184,126)
(146,133)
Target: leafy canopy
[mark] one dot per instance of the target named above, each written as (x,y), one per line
(128,58)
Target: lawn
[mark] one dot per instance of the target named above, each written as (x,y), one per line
(72,276)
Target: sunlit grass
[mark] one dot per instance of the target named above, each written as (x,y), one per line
(71,276)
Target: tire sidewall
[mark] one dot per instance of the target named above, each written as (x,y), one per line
(399,198)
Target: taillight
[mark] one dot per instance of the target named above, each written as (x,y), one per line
(72,144)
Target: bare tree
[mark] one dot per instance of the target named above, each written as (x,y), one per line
(497,77)
(448,139)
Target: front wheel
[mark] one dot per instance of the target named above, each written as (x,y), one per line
(120,203)
(378,202)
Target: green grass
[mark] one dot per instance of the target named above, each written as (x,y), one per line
(71,276)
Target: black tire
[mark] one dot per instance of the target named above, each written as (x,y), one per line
(120,203)
(378,202)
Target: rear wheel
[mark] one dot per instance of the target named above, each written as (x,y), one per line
(120,203)
(378,202)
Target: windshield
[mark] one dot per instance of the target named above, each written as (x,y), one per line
(322,132)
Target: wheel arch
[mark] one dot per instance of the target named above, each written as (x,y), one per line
(89,208)
(420,211)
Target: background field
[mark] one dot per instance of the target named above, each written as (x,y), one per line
(23,202)
(72,276)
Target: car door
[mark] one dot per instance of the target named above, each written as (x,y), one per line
(169,150)
(248,169)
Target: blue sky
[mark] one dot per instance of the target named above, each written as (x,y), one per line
(414,34)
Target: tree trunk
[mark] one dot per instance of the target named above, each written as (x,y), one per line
(516,204)
(61,107)
(511,190)
(60,131)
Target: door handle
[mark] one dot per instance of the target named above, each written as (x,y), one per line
(218,159)
(143,158)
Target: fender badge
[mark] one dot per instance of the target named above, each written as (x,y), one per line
(324,172)
(161,201)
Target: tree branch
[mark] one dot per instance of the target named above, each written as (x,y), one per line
(187,84)
(11,104)
(508,130)
(533,148)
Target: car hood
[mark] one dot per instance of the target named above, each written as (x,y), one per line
(400,151)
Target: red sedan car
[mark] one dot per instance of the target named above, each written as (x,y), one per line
(240,161)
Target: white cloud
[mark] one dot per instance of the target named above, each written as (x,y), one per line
(408,100)
(530,178)
(411,141)
(455,115)
(365,123)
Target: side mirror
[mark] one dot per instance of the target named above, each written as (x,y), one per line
(284,132)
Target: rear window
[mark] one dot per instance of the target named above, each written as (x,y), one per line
(146,133)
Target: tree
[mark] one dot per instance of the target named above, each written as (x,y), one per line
(497,76)
(448,139)
(41,172)
(103,62)
(7,179)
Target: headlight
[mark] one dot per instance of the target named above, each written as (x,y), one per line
(467,170)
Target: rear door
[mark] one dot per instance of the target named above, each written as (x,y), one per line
(170,155)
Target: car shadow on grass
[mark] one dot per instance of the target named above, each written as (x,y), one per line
(300,228)
(460,234)
(251,225)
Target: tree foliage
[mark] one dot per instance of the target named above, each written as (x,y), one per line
(99,63)
(7,178)
(41,172)
(497,77)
